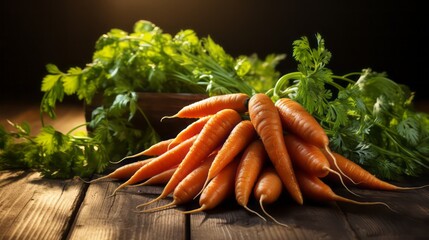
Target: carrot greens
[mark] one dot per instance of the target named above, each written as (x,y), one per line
(368,117)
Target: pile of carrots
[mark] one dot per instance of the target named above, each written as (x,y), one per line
(245,146)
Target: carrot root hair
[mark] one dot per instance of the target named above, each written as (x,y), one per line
(342,182)
(200,209)
(150,202)
(348,200)
(334,160)
(128,157)
(94,180)
(412,188)
(122,159)
(202,188)
(261,201)
(172,116)
(254,212)
(160,208)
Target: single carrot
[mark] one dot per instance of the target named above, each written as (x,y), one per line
(125,171)
(189,187)
(219,189)
(191,130)
(161,163)
(363,178)
(309,158)
(299,121)
(316,190)
(248,170)
(241,135)
(154,150)
(160,178)
(268,189)
(212,105)
(266,120)
(211,137)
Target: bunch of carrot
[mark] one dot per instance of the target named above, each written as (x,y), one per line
(241,145)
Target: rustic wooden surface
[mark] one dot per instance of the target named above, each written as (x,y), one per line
(32,207)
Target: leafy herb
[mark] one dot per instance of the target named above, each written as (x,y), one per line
(369,119)
(52,153)
(145,60)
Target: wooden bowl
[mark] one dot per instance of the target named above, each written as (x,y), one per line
(156,106)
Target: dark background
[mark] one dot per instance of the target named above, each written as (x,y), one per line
(389,36)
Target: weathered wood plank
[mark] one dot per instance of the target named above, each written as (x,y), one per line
(104,217)
(305,222)
(409,221)
(36,208)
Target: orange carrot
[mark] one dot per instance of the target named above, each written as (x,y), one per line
(242,134)
(211,137)
(249,168)
(299,121)
(212,105)
(125,171)
(219,189)
(266,120)
(160,178)
(363,178)
(154,150)
(309,158)
(158,148)
(161,163)
(189,187)
(191,130)
(268,189)
(316,190)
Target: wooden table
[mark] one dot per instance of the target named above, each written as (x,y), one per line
(35,208)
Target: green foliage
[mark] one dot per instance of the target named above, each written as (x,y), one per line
(370,119)
(52,153)
(144,60)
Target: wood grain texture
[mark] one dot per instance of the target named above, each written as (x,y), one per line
(305,222)
(103,216)
(409,220)
(36,208)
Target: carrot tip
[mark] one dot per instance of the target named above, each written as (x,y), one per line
(202,189)
(111,195)
(139,184)
(120,160)
(202,208)
(334,159)
(412,188)
(90,181)
(173,116)
(151,201)
(117,189)
(255,212)
(163,207)
(342,182)
(347,200)
(271,217)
